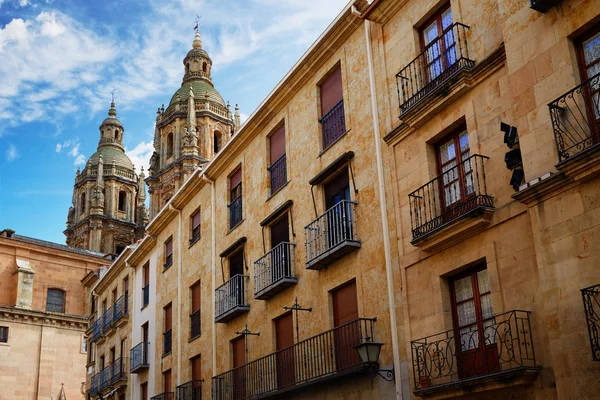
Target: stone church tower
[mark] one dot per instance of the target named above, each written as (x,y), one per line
(190,131)
(108,211)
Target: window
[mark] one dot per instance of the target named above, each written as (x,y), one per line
(195,224)
(146,287)
(204,67)
(217,142)
(122,201)
(144,391)
(588,47)
(168,253)
(277,168)
(93,305)
(119,249)
(438,43)
(126,287)
(345,313)
(195,314)
(167,381)
(167,332)
(456,172)
(332,120)
(82,203)
(3,334)
(169,145)
(196,373)
(114,296)
(235,198)
(55,302)
(84,344)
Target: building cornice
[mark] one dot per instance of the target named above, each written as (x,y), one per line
(57,320)
(114,270)
(64,251)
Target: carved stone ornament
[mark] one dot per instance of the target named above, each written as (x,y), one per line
(97,197)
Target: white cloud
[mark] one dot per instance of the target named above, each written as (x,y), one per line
(75,150)
(23,3)
(79,160)
(11,152)
(140,155)
(58,147)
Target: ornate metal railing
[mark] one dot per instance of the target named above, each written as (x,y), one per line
(120,308)
(118,370)
(235,212)
(231,294)
(139,356)
(195,324)
(164,396)
(591,305)
(105,378)
(319,357)
(334,226)
(498,344)
(274,266)
(191,390)
(449,196)
(96,329)
(167,341)
(437,64)
(278,171)
(576,118)
(95,385)
(333,124)
(107,319)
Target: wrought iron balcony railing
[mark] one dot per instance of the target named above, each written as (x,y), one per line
(235,212)
(576,118)
(332,235)
(591,305)
(107,319)
(118,371)
(164,396)
(438,63)
(324,356)
(333,124)
(167,341)
(95,385)
(96,329)
(145,295)
(500,345)
(231,298)
(274,271)
(195,324)
(105,378)
(120,308)
(457,192)
(278,172)
(139,357)
(191,390)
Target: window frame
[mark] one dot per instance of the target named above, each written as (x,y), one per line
(453,136)
(194,237)
(4,336)
(122,201)
(280,162)
(63,304)
(168,253)
(235,194)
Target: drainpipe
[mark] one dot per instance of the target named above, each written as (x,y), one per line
(384,219)
(179,282)
(213,257)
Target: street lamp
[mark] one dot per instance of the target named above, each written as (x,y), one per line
(369,354)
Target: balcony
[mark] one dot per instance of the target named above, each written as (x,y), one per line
(191,390)
(167,342)
(121,310)
(95,385)
(274,271)
(576,119)
(331,236)
(105,379)
(591,305)
(139,358)
(195,330)
(333,124)
(437,206)
(456,358)
(231,299)
(235,212)
(543,6)
(96,330)
(278,172)
(145,295)
(434,71)
(164,396)
(326,356)
(118,376)
(107,320)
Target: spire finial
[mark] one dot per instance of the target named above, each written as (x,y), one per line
(197,22)
(197,42)
(112,112)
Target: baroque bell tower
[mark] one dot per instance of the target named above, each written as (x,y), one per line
(108,211)
(191,130)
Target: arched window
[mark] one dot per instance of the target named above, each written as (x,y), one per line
(217,145)
(122,200)
(117,136)
(82,203)
(169,144)
(55,301)
(204,67)
(187,68)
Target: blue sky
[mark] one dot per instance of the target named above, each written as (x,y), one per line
(60,59)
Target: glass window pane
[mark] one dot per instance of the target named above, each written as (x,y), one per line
(430,33)
(591,49)
(446,18)
(466,313)
(486,306)
(447,152)
(463,140)
(469,338)
(483,281)
(463,289)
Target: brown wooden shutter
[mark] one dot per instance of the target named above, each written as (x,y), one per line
(345,304)
(235,179)
(196,220)
(145,332)
(331,91)
(168,317)
(114,294)
(284,329)
(169,246)
(196,368)
(196,297)
(126,285)
(144,391)
(277,144)
(238,346)
(167,380)
(146,274)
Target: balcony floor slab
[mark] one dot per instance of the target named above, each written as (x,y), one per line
(335,253)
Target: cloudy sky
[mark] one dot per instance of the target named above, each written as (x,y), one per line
(60,59)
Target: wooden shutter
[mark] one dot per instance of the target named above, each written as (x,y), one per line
(238,347)
(196,297)
(196,368)
(146,274)
(284,329)
(345,304)
(145,332)
(144,390)
(196,220)
(277,144)
(168,317)
(167,380)
(169,246)
(126,285)
(114,294)
(331,90)
(235,179)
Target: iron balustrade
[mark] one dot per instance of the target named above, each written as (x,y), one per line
(330,229)
(436,65)
(333,124)
(105,378)
(120,308)
(107,319)
(576,118)
(320,357)
(449,196)
(96,329)
(118,370)
(95,384)
(195,324)
(146,295)
(500,344)
(278,172)
(191,390)
(231,294)
(591,305)
(235,212)
(276,265)
(139,357)
(167,341)
(164,396)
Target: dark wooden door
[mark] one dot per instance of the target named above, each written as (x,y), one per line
(475,331)
(145,391)
(589,65)
(438,44)
(238,347)
(280,261)
(167,381)
(456,179)
(339,219)
(284,330)
(346,335)
(196,378)
(236,267)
